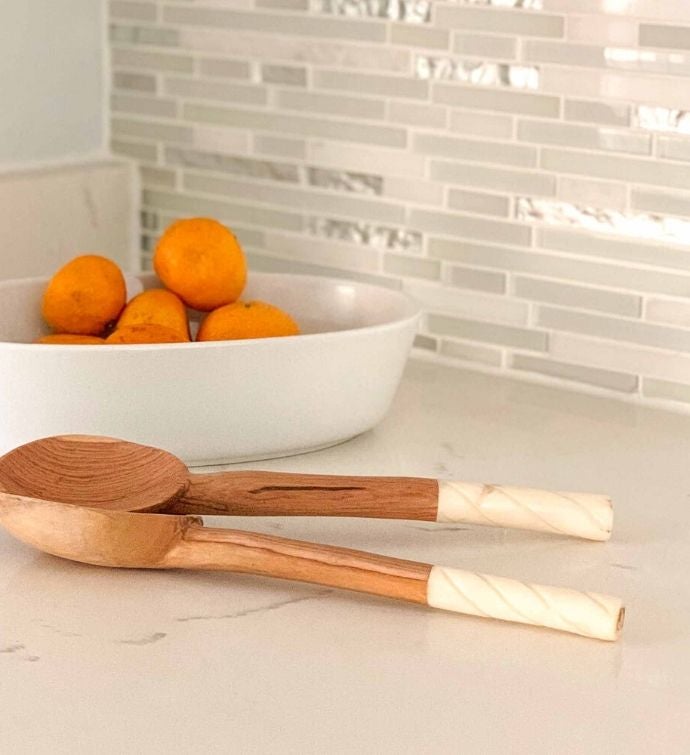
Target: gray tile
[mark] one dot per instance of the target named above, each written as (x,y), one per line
(157,61)
(579,297)
(365,83)
(324,202)
(227,211)
(416,114)
(243,166)
(468,226)
(331,104)
(479,202)
(387,162)
(425,342)
(541,51)
(587,137)
(123,103)
(583,272)
(283,4)
(485,45)
(287,75)
(615,381)
(608,114)
(300,126)
(493,178)
(143,35)
(471,352)
(413,190)
(223,140)
(157,177)
(133,10)
(666,390)
(660,201)
(280,146)
(227,69)
(152,130)
(216,90)
(417,267)
(135,150)
(487,125)
(642,333)
(139,82)
(590,192)
(297,24)
(503,22)
(674,148)
(631,169)
(658,35)
(419,36)
(472,150)
(477,280)
(524,103)
(474,330)
(669,311)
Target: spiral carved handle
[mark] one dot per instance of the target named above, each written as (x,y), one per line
(584,613)
(578,514)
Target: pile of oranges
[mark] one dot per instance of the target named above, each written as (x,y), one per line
(201,265)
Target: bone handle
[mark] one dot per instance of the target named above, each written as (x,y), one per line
(578,514)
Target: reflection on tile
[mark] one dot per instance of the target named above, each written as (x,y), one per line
(477,72)
(274,171)
(635,225)
(411,11)
(367,234)
(359,183)
(662,119)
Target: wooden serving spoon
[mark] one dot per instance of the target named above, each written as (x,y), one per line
(117,538)
(120,475)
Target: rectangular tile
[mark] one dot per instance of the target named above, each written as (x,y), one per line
(502,22)
(324,202)
(476,279)
(410,11)
(540,51)
(162,177)
(673,120)
(489,125)
(586,137)
(331,104)
(471,352)
(133,10)
(485,45)
(398,87)
(152,130)
(660,35)
(224,210)
(413,190)
(615,381)
(416,267)
(489,177)
(419,36)
(339,180)
(281,146)
(660,201)
(669,311)
(298,24)
(295,76)
(139,82)
(613,275)
(415,114)
(479,202)
(293,124)
(303,248)
(592,192)
(283,4)
(631,169)
(483,73)
(468,226)
(228,141)
(601,28)
(226,69)
(642,333)
(157,61)
(121,34)
(524,103)
(137,105)
(199,89)
(425,342)
(666,390)
(389,162)
(588,111)
(472,150)
(363,233)
(270,170)
(579,297)
(145,152)
(473,330)
(674,148)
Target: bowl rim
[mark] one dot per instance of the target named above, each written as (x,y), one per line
(412,316)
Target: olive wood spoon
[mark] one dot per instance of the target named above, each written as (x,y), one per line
(117,538)
(118,474)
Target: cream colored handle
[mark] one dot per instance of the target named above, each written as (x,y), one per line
(578,514)
(585,613)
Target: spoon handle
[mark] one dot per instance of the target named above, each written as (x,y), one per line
(581,515)
(583,613)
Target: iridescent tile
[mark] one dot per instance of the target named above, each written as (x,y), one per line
(244,166)
(662,119)
(358,183)
(410,11)
(602,220)
(367,234)
(481,73)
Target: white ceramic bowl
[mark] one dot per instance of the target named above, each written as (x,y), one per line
(219,401)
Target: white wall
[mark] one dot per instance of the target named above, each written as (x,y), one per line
(51,80)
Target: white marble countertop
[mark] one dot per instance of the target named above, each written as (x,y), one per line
(104,661)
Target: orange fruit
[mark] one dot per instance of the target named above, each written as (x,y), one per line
(201,261)
(145,333)
(156,307)
(69,338)
(84,296)
(251,319)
